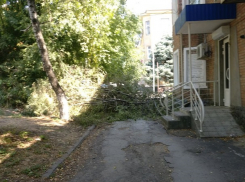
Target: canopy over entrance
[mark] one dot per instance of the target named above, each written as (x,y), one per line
(204,18)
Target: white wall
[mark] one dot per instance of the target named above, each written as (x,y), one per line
(160,25)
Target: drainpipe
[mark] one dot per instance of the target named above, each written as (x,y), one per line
(190,62)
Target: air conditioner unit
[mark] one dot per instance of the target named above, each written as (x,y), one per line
(221,32)
(201,49)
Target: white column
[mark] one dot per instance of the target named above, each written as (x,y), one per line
(181,59)
(190,62)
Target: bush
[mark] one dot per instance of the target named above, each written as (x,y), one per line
(238,112)
(80,86)
(13,94)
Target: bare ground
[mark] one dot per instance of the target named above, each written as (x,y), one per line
(29,146)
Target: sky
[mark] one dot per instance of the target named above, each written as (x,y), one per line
(140,6)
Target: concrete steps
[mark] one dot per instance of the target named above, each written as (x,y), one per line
(181,120)
(218,122)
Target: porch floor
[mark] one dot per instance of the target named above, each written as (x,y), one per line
(219,122)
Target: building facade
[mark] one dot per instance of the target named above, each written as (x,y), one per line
(209,47)
(156,23)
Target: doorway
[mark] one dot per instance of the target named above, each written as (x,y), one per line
(225,71)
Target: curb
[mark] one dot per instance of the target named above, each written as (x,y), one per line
(50,171)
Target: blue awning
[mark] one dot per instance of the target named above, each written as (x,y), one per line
(204,18)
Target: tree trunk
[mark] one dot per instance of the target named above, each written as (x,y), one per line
(60,94)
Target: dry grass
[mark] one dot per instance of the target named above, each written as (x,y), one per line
(29,146)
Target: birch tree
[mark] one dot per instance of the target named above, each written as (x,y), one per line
(60,94)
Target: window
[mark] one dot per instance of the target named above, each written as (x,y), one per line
(194,1)
(147,28)
(149,52)
(186,2)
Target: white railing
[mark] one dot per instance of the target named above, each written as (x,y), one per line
(189,95)
(197,105)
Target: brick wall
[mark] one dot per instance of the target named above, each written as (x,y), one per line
(197,39)
(240,25)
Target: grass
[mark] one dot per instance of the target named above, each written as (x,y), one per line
(1,112)
(33,171)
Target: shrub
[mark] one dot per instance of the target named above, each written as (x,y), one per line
(80,86)
(238,112)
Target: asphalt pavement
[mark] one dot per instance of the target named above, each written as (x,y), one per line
(142,151)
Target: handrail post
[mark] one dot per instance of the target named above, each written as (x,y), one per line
(172,105)
(191,95)
(199,89)
(195,107)
(167,104)
(200,126)
(182,97)
(214,93)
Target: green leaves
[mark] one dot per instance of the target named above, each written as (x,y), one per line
(164,49)
(163,55)
(90,33)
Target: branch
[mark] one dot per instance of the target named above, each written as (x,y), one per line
(26,28)
(45,22)
(31,25)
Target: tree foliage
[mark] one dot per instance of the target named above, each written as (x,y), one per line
(164,57)
(164,50)
(89,33)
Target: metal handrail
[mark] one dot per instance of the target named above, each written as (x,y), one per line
(198,106)
(177,97)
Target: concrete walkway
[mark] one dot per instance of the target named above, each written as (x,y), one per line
(141,151)
(219,122)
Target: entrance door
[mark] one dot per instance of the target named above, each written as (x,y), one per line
(226,63)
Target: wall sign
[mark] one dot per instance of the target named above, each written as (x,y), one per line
(198,68)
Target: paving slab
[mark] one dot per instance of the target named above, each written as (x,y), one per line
(219,119)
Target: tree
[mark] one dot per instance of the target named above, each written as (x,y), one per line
(60,94)
(164,56)
(164,50)
(93,34)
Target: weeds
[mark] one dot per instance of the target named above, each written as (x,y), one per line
(33,171)
(12,162)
